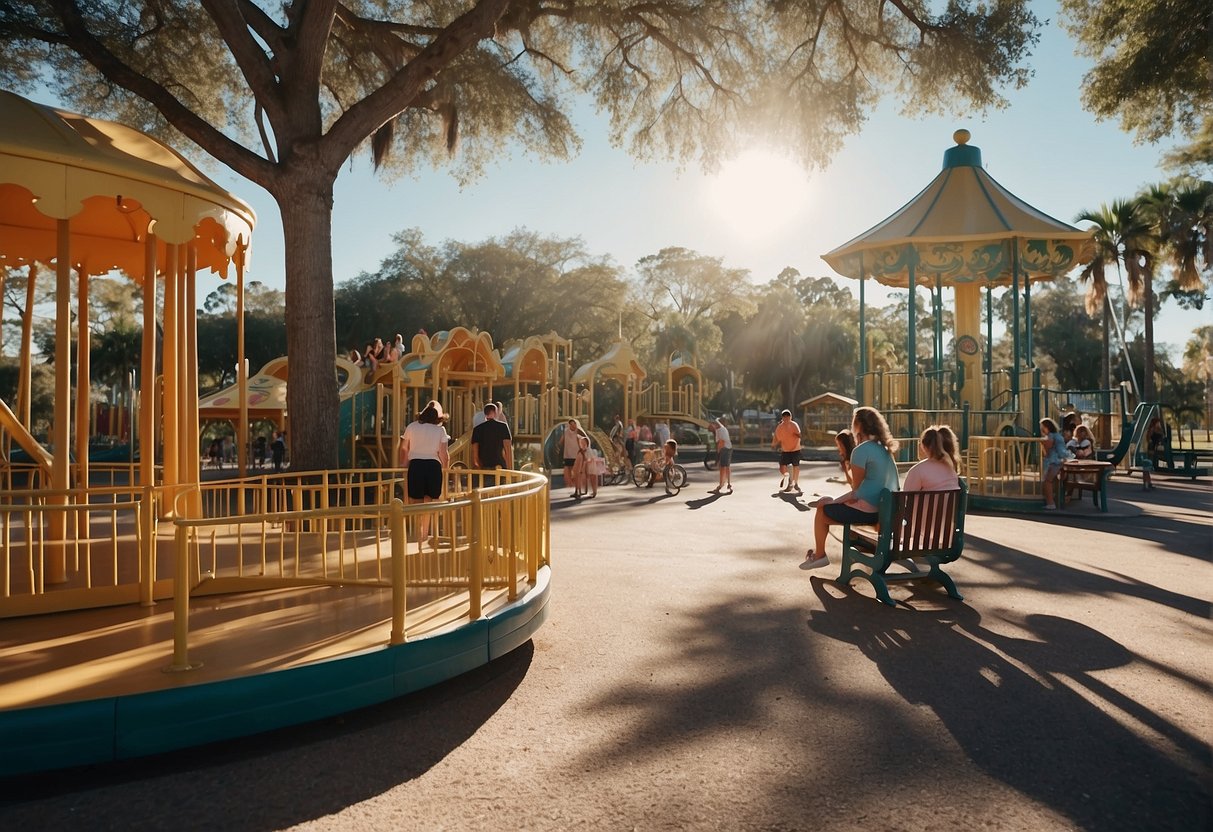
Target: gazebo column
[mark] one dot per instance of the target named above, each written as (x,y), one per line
(1015,354)
(863,336)
(989,350)
(1028,358)
(937,313)
(912,342)
(968,331)
(242,434)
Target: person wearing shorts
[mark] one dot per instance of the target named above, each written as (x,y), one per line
(787,440)
(873,469)
(724,457)
(423,451)
(570,447)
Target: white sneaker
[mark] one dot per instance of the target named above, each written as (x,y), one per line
(815,563)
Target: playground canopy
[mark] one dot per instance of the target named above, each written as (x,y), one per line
(964,231)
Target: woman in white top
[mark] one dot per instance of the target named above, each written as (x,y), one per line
(423,451)
(939,466)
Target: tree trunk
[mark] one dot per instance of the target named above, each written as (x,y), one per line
(1147,383)
(306,202)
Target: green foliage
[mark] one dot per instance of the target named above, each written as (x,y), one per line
(1066,337)
(1152,62)
(518,285)
(42,393)
(264,339)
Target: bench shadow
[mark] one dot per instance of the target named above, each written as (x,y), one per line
(271,780)
(1029,711)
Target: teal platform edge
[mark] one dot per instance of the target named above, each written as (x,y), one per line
(121,727)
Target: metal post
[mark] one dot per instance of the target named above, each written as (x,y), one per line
(181,605)
(400,589)
(1015,323)
(912,344)
(476,576)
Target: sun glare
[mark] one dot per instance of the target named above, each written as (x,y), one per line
(758,193)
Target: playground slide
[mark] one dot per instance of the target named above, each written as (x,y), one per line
(1128,431)
(10,423)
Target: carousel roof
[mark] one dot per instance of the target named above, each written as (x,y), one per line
(960,229)
(112,182)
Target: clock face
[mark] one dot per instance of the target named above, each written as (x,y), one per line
(967,345)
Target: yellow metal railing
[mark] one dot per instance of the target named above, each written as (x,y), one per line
(348,528)
(1003,466)
(74,549)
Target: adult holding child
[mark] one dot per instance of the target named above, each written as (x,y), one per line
(873,469)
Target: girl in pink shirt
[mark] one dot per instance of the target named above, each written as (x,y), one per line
(940,464)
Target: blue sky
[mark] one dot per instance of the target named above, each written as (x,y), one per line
(1044,147)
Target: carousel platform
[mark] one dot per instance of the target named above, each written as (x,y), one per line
(91,686)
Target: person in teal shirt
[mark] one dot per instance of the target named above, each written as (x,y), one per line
(873,469)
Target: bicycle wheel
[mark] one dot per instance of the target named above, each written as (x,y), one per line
(640,475)
(678,475)
(712,460)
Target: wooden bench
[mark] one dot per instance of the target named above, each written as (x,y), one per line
(927,526)
(1084,475)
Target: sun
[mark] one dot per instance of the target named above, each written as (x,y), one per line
(758,193)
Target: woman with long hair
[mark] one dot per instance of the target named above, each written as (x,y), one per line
(844,441)
(938,468)
(873,469)
(423,451)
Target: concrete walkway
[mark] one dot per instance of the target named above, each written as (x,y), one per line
(691,677)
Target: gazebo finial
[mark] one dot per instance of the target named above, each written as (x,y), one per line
(961,136)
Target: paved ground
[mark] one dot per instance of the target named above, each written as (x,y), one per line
(691,677)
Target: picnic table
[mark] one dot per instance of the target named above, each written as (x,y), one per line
(1085,475)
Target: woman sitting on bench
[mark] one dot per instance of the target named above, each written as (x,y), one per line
(873,469)
(939,464)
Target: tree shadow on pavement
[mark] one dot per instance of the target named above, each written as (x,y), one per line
(272,780)
(1030,712)
(1052,578)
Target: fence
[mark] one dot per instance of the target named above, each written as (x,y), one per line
(349,528)
(1003,466)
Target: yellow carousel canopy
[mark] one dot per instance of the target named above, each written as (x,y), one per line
(267,392)
(961,228)
(115,184)
(618,362)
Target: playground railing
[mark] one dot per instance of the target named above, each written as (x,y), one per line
(1003,466)
(349,528)
(77,548)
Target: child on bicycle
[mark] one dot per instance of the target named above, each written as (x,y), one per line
(660,466)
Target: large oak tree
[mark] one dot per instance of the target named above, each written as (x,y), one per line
(284,92)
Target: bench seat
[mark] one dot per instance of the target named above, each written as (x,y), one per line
(925,526)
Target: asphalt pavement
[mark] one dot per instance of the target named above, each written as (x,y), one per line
(690,676)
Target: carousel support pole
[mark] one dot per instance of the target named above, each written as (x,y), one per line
(27,340)
(189,372)
(83,399)
(1015,353)
(912,343)
(147,385)
(56,554)
(170,364)
(242,434)
(937,314)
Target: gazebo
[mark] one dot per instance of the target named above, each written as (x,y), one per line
(618,363)
(967,232)
(93,197)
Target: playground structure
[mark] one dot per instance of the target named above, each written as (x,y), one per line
(965,232)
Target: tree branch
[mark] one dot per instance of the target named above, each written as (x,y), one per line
(248,54)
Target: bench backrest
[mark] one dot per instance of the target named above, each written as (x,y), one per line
(923,522)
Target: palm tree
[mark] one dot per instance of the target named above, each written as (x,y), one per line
(1181,216)
(1105,235)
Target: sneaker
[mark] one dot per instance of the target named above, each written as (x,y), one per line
(730,489)
(815,563)
(798,491)
(1050,507)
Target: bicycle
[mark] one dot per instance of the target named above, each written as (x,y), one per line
(674,475)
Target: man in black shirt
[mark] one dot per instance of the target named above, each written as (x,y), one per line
(491,442)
